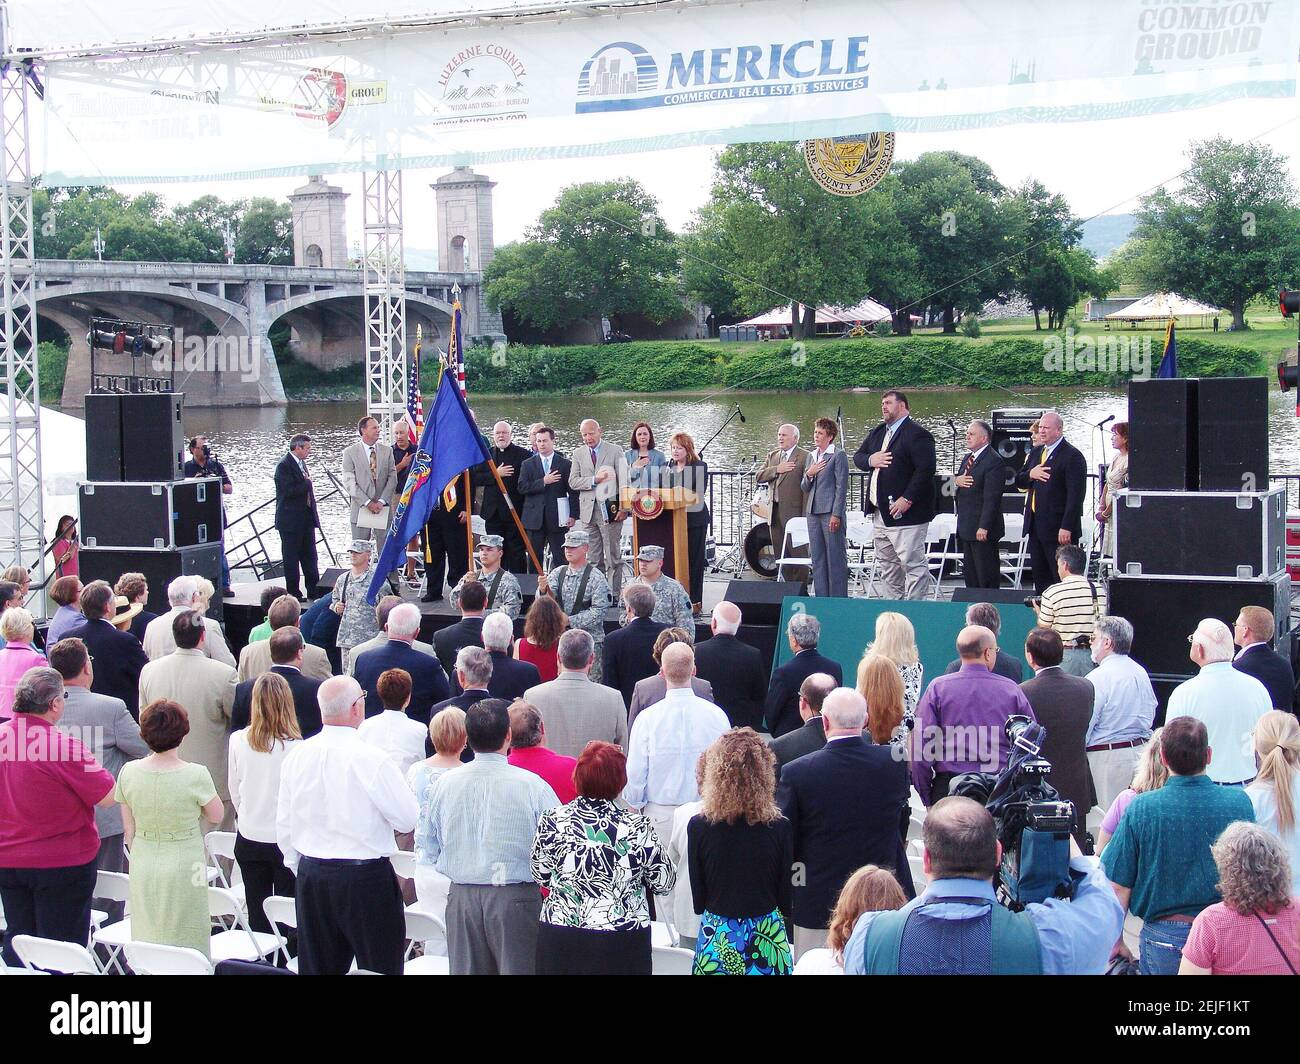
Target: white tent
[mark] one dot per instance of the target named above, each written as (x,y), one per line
(63,464)
(1162,306)
(868,312)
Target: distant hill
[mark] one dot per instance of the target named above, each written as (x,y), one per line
(1106,233)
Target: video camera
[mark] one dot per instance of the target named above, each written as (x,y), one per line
(1033,821)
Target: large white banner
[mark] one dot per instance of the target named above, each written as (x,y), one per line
(651,79)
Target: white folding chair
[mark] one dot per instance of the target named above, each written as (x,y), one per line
(425,928)
(941,548)
(662,933)
(860,536)
(220,846)
(66,958)
(796,535)
(671,960)
(114,886)
(281,910)
(403,862)
(153,958)
(1013,549)
(237,942)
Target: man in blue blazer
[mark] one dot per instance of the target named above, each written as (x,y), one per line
(286,655)
(782,710)
(846,804)
(429,684)
(510,677)
(1253,632)
(1055,480)
(826,481)
(118,655)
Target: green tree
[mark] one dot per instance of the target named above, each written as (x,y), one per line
(205,220)
(66,217)
(1230,232)
(601,251)
(264,233)
(1048,229)
(710,262)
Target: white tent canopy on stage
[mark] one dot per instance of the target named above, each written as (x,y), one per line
(225,90)
(1162,306)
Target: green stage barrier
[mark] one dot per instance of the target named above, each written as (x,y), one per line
(849,624)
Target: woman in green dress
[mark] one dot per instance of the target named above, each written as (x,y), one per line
(162,799)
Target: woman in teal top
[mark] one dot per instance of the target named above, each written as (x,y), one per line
(162,801)
(643,459)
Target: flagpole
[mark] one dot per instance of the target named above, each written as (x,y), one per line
(469,520)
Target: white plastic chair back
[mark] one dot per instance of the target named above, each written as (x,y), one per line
(671,960)
(68,958)
(153,958)
(422,926)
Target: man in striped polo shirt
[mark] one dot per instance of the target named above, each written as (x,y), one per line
(1070,608)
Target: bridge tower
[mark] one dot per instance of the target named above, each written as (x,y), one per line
(319,217)
(465,243)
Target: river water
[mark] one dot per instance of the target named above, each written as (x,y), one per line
(251,441)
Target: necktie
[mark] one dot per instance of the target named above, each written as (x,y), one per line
(970,461)
(374,464)
(1033,497)
(593,458)
(311,494)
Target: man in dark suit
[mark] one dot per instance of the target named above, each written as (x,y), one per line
(510,678)
(473,668)
(509,458)
(445,544)
(428,680)
(734,669)
(899,456)
(812,736)
(986,615)
(1253,632)
(118,655)
(286,653)
(296,518)
(781,711)
(629,652)
(1055,476)
(1063,705)
(543,482)
(980,481)
(468,631)
(846,804)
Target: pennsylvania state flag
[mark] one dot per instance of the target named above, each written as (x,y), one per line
(1169,360)
(451,444)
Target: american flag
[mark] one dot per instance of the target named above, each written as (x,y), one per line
(414,401)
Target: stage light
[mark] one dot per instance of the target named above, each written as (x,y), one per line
(1288,302)
(1288,377)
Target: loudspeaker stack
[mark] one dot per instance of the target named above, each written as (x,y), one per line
(1198,533)
(136,513)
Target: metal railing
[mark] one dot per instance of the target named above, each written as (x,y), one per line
(256,557)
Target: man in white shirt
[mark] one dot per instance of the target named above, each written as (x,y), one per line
(396,734)
(667,740)
(341,801)
(1123,710)
(183,596)
(1229,703)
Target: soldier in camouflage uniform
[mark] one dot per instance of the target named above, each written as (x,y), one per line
(582,592)
(672,603)
(502,586)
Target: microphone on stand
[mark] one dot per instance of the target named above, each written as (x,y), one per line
(952,426)
(1105,421)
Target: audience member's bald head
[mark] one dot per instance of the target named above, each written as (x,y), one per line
(961,840)
(340,702)
(973,641)
(814,689)
(677,663)
(726,618)
(844,710)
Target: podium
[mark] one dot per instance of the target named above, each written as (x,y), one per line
(659,520)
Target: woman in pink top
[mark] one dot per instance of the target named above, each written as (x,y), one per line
(1255,930)
(66,550)
(1150,776)
(16,656)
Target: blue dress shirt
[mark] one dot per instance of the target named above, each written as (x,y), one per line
(1123,704)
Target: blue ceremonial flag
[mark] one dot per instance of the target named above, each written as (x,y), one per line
(1169,361)
(451,444)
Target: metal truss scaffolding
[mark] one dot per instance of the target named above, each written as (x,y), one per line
(21,518)
(384,283)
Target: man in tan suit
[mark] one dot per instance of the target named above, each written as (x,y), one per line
(598,472)
(783,470)
(206,688)
(575,709)
(255,658)
(369,478)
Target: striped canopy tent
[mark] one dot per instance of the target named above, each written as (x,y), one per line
(1161,306)
(829,319)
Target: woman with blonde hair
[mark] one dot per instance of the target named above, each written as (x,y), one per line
(741,850)
(880,683)
(449,738)
(871,889)
(17,630)
(896,640)
(204,591)
(1255,930)
(1150,775)
(1273,794)
(257,754)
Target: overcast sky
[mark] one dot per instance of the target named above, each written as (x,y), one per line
(1101,167)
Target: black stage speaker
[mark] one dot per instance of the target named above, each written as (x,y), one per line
(103,436)
(760,600)
(528,586)
(1232,433)
(1200,533)
(1012,442)
(183,513)
(325,584)
(1164,611)
(153,436)
(996,595)
(160,568)
(1162,432)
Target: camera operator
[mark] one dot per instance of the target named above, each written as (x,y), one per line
(1069,608)
(203,462)
(964,931)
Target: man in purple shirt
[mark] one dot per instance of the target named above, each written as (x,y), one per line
(960,718)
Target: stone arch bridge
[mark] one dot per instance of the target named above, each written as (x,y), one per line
(224,315)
